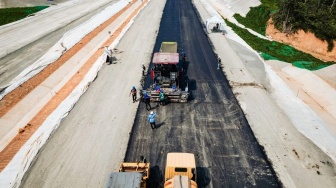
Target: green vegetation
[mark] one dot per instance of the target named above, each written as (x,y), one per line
(276,50)
(289,16)
(256,19)
(9,15)
(316,16)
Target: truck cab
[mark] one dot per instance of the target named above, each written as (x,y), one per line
(180,170)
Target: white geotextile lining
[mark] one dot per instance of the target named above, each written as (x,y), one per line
(13,173)
(213,20)
(68,40)
(322,93)
(303,118)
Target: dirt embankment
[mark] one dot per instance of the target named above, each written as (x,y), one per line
(306,42)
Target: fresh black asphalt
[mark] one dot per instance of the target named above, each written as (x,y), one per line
(211,125)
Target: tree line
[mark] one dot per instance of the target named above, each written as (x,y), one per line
(316,16)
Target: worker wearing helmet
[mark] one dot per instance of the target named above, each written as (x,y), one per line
(134,94)
(162,97)
(143,69)
(151,119)
(147,101)
(184,57)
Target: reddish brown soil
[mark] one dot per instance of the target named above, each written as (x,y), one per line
(18,94)
(306,42)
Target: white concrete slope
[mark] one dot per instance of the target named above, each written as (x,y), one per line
(295,139)
(29,29)
(92,140)
(68,40)
(26,109)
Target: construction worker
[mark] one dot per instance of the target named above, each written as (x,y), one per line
(134,94)
(143,69)
(147,101)
(162,97)
(157,88)
(184,57)
(151,119)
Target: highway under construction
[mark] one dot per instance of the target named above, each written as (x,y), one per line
(211,125)
(241,122)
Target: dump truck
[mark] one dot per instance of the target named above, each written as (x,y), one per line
(129,175)
(167,75)
(180,171)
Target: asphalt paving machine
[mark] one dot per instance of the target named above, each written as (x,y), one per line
(167,75)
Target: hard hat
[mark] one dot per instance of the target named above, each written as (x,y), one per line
(152,112)
(133,87)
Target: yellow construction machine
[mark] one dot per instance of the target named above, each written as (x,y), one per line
(180,171)
(167,75)
(130,175)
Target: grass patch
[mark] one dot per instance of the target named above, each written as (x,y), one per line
(257,17)
(258,24)
(276,50)
(9,15)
